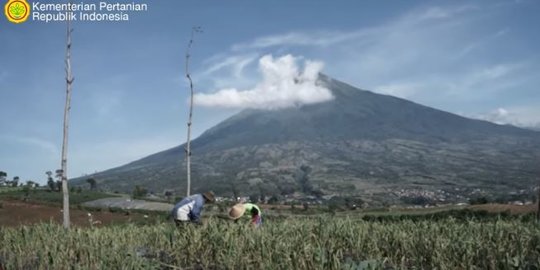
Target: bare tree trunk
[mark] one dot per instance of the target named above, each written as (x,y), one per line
(538,205)
(69,82)
(188,144)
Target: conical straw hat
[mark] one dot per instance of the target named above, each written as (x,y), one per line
(237,211)
(209,196)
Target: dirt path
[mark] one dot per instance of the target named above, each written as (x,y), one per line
(127,203)
(512,209)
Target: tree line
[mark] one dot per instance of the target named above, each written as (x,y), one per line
(52,184)
(15,181)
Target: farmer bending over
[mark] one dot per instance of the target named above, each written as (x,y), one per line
(190,208)
(253,210)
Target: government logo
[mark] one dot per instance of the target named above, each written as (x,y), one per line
(17,11)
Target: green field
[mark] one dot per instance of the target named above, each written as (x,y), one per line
(51,197)
(283,243)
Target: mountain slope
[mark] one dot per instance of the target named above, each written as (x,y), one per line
(358,143)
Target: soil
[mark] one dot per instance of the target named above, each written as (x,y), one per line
(513,209)
(15,213)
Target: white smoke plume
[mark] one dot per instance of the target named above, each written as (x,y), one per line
(283,85)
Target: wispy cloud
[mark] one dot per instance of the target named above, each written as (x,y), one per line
(318,38)
(490,78)
(222,71)
(375,54)
(329,37)
(499,116)
(236,63)
(482,42)
(33,142)
(521,116)
(284,84)
(437,12)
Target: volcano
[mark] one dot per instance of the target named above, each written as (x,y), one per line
(360,143)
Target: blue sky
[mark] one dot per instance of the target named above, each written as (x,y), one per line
(475,58)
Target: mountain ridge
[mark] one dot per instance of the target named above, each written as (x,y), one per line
(360,138)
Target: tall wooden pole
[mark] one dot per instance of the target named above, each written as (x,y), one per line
(69,82)
(188,144)
(538,204)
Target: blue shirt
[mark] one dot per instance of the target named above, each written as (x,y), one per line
(191,205)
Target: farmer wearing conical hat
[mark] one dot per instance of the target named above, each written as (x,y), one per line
(250,209)
(190,208)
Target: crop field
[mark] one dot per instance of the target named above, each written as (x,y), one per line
(282,243)
(45,196)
